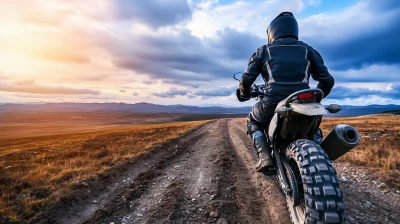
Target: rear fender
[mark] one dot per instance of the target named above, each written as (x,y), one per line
(308,109)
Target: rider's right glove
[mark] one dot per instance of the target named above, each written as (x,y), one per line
(240,97)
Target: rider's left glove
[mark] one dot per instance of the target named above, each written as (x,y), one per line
(240,97)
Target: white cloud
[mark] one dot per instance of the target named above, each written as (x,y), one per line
(249,16)
(369,73)
(362,101)
(389,87)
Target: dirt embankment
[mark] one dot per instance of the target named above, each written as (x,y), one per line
(205,177)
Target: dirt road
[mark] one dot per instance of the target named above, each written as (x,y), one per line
(205,177)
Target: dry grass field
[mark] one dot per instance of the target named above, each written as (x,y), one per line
(33,123)
(379,149)
(43,156)
(36,171)
(30,123)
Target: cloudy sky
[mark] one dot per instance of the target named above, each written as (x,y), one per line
(185,51)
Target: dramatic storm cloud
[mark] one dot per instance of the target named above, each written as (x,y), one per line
(363,34)
(180,56)
(185,51)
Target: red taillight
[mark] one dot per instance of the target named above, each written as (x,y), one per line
(306,95)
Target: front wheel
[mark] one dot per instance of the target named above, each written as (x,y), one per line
(320,197)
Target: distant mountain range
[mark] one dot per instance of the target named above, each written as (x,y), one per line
(182,109)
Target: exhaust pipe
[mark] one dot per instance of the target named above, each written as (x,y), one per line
(340,140)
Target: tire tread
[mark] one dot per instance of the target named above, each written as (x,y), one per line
(323,196)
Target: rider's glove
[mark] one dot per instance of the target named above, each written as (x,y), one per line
(240,97)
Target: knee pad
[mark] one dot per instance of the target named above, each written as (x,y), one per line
(253,125)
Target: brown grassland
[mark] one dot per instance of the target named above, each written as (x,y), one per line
(379,149)
(36,171)
(32,123)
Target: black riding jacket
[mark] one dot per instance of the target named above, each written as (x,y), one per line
(286,65)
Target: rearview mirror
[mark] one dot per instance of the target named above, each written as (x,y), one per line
(237,74)
(333,108)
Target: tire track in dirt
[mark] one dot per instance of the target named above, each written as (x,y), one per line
(207,176)
(204,177)
(206,183)
(274,205)
(85,202)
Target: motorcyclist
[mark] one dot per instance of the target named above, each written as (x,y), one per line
(285,64)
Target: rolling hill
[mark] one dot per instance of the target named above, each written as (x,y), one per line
(182,109)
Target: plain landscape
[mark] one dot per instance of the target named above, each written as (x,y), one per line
(124,167)
(129,111)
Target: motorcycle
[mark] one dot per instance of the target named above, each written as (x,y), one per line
(302,158)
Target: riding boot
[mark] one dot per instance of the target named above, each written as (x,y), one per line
(263,149)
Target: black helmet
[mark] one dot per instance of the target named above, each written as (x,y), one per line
(284,25)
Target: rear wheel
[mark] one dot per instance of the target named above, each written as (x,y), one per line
(320,197)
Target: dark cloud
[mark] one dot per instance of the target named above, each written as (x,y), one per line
(172,93)
(155,13)
(382,47)
(174,57)
(376,44)
(42,89)
(238,45)
(182,58)
(122,91)
(342,92)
